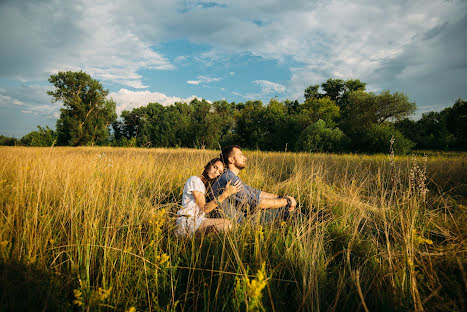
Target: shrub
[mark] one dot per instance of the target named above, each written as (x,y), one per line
(378,140)
(319,138)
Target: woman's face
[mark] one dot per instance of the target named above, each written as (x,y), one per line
(215,170)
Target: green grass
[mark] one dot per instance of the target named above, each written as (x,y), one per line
(91,229)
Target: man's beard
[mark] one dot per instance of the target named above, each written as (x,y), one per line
(240,167)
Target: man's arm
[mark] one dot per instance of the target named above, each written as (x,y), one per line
(271,203)
(265,195)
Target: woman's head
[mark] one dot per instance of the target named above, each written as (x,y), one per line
(213,169)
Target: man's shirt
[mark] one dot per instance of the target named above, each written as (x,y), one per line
(236,205)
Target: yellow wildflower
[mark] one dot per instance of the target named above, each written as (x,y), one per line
(283,223)
(51,241)
(419,239)
(78,297)
(260,232)
(103,293)
(255,287)
(162,259)
(131,309)
(3,244)
(157,220)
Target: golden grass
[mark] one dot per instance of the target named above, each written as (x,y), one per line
(370,236)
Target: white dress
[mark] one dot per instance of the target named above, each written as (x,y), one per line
(189,218)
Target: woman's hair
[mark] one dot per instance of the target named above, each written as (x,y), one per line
(208,166)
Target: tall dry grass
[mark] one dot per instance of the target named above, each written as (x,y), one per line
(92,229)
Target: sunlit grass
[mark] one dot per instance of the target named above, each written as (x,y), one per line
(377,232)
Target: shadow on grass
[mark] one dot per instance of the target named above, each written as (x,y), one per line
(26,288)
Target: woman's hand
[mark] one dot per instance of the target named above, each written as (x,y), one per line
(231,189)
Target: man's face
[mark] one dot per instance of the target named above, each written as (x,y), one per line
(237,158)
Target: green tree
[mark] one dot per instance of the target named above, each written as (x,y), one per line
(86,113)
(318,137)
(42,137)
(312,92)
(323,108)
(457,124)
(250,131)
(7,141)
(366,109)
(377,139)
(336,89)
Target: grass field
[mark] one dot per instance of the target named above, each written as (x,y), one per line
(91,229)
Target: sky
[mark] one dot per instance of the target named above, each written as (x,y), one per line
(175,50)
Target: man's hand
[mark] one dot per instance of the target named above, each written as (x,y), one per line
(293,203)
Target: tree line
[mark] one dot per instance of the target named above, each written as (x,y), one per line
(336,116)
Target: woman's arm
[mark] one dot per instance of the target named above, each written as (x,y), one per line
(199,198)
(230,189)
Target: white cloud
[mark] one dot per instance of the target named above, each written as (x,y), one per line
(127,100)
(194,82)
(396,44)
(203,80)
(268,88)
(93,36)
(30,98)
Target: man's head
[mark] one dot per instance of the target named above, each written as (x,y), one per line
(233,157)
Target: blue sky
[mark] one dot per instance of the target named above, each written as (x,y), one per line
(166,51)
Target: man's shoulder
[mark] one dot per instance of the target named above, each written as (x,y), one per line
(228,175)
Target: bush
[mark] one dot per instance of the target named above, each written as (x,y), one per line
(8,141)
(42,137)
(378,140)
(319,138)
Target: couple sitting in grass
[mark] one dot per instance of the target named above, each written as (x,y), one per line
(220,187)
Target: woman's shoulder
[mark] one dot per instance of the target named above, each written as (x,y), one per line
(194,183)
(195,179)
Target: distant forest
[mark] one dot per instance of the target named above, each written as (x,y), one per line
(336,116)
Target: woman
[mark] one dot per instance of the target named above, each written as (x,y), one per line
(191,218)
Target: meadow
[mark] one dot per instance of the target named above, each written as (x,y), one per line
(91,229)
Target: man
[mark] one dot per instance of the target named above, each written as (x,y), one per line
(248,197)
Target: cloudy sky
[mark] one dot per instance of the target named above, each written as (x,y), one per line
(173,50)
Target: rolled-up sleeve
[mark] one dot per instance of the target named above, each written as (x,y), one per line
(246,196)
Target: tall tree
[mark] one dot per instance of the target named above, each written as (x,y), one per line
(366,109)
(336,89)
(86,113)
(312,92)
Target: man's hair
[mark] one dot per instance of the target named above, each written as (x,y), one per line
(226,152)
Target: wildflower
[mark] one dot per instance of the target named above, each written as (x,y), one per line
(131,309)
(3,244)
(419,239)
(103,293)
(162,259)
(260,232)
(51,241)
(128,250)
(157,220)
(78,297)
(283,223)
(255,287)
